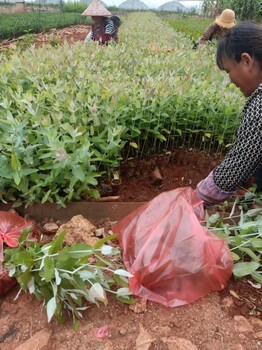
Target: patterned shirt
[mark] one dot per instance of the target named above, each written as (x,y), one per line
(245,156)
(110,29)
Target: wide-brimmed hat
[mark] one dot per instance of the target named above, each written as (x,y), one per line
(226,19)
(96,9)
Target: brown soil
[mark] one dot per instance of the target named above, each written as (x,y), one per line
(142,180)
(226,320)
(52,36)
(71,34)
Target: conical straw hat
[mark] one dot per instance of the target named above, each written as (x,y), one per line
(96,9)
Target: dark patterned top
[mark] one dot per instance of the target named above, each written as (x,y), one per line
(245,156)
(109,30)
(213,31)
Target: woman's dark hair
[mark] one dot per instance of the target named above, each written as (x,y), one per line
(245,37)
(116,20)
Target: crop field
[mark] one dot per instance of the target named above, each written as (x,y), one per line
(193,26)
(13,25)
(65,119)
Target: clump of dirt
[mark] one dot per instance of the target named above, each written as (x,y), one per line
(78,230)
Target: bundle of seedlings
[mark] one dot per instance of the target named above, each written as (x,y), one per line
(68,278)
(239,222)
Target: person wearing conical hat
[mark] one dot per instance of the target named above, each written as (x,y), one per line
(105,26)
(219,27)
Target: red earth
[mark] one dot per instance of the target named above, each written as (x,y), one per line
(53,36)
(142,180)
(226,320)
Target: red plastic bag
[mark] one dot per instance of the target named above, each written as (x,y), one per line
(173,258)
(11,227)
(6,282)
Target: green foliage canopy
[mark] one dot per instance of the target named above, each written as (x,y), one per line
(244,9)
(70,114)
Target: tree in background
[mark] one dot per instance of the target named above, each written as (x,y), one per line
(244,9)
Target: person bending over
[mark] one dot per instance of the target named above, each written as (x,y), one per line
(219,27)
(239,54)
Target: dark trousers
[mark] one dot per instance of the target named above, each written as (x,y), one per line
(258,179)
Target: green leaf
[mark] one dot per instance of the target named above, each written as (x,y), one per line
(78,173)
(122,272)
(257,276)
(213,218)
(242,269)
(123,292)
(254,212)
(46,292)
(133,144)
(31,285)
(257,244)
(25,233)
(79,281)
(24,279)
(97,292)
(16,167)
(46,196)
(86,275)
(129,299)
(66,264)
(49,269)
(57,243)
(249,252)
(121,281)
(102,241)
(80,250)
(75,324)
(23,258)
(57,278)
(235,256)
(51,308)
(63,255)
(92,181)
(5,122)
(109,250)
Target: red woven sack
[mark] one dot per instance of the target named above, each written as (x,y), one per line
(173,258)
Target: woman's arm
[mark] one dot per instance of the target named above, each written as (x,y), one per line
(210,193)
(242,161)
(208,34)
